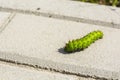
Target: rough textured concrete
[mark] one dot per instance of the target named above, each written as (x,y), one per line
(38,41)
(70,10)
(4,19)
(8,72)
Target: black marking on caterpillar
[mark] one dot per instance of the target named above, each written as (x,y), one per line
(84,42)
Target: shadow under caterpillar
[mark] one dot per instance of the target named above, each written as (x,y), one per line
(84,42)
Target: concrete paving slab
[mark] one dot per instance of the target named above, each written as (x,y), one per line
(8,72)
(38,41)
(66,9)
(4,19)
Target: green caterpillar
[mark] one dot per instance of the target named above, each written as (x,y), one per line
(84,42)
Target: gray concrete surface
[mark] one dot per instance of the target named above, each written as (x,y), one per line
(10,72)
(67,9)
(36,40)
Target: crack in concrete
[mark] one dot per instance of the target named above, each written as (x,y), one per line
(62,17)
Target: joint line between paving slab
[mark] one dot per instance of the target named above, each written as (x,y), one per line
(33,68)
(6,22)
(50,65)
(63,17)
(26,61)
(50,69)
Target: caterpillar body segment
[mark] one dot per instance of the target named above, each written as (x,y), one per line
(84,42)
